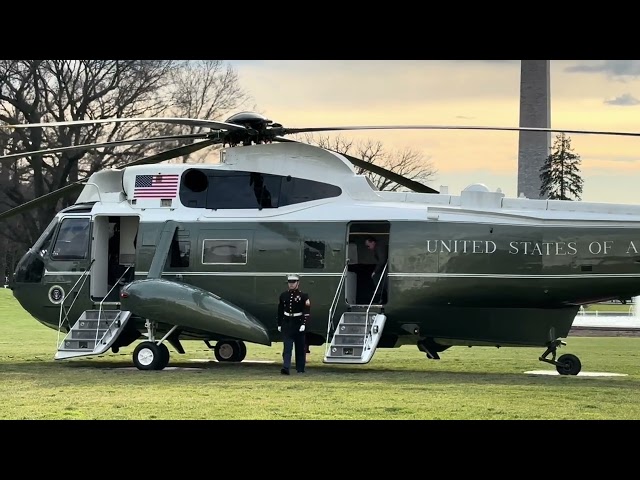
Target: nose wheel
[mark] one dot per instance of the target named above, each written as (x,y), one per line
(567,364)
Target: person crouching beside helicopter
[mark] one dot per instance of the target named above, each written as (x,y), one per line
(294,310)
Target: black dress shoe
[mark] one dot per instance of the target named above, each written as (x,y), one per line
(300,371)
(284,371)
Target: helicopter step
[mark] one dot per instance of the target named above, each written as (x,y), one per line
(356,338)
(93,333)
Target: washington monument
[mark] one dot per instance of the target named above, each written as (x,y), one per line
(535,111)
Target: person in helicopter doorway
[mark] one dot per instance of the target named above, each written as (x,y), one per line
(294,311)
(381,255)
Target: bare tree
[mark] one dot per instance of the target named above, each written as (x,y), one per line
(205,89)
(35,91)
(407,162)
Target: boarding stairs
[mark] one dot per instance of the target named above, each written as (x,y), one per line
(93,333)
(355,338)
(96,330)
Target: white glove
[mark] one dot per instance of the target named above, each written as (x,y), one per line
(279,328)
(302,328)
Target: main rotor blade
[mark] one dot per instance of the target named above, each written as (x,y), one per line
(49,197)
(383,172)
(289,131)
(89,146)
(394,177)
(177,121)
(173,153)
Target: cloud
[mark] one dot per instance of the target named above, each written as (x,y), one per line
(378,90)
(404,92)
(626,99)
(613,68)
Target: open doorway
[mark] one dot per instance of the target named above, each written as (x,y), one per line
(114,253)
(361,282)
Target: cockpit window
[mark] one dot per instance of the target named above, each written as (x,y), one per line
(72,242)
(43,243)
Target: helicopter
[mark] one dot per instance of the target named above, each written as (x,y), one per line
(157,254)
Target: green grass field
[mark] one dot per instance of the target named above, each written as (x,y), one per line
(467,383)
(622,309)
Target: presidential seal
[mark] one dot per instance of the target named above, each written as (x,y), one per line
(56,294)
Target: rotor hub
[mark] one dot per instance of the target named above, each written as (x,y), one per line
(260,129)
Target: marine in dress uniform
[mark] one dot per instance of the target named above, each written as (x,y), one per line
(294,310)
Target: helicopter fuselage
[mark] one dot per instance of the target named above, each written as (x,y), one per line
(473,269)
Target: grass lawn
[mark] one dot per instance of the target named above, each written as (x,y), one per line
(467,383)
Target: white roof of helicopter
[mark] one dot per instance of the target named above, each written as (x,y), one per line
(476,203)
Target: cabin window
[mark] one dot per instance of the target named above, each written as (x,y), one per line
(193,190)
(72,242)
(239,190)
(228,189)
(180,253)
(225,252)
(298,190)
(313,254)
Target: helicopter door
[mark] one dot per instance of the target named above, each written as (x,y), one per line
(359,285)
(114,253)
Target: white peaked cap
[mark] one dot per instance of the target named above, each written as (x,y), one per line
(293,277)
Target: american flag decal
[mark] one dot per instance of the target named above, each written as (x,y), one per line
(156,186)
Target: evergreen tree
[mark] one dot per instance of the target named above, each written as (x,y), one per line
(560,173)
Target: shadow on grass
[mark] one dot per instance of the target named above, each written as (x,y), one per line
(262,370)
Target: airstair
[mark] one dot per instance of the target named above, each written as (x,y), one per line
(355,338)
(93,333)
(96,330)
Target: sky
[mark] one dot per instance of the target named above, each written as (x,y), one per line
(585,94)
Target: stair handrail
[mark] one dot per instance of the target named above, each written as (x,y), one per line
(116,283)
(334,303)
(366,320)
(84,275)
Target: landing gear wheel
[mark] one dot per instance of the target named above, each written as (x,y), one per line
(227,351)
(568,364)
(164,353)
(242,351)
(150,356)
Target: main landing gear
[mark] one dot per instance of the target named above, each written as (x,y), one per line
(566,364)
(431,348)
(229,350)
(152,354)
